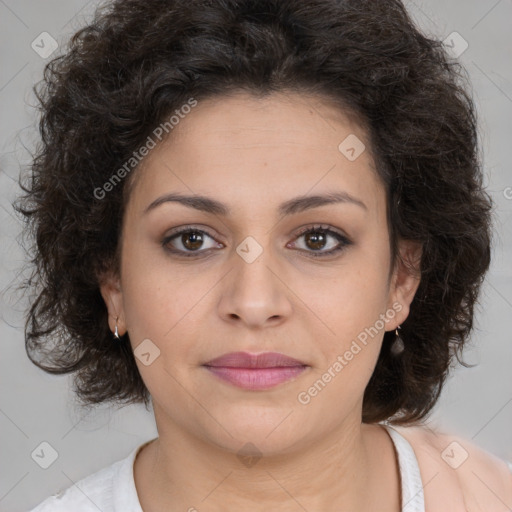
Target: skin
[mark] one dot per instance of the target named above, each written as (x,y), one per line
(253,154)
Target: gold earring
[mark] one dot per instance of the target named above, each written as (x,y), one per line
(398,344)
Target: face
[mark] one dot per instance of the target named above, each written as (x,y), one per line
(310,280)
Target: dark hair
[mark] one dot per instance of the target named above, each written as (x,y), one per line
(138,61)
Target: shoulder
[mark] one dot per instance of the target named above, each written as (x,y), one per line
(458,472)
(90,494)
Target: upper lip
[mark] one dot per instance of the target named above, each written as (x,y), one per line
(248,360)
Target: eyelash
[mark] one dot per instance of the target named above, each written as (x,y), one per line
(344,241)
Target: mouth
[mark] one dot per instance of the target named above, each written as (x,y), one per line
(255,371)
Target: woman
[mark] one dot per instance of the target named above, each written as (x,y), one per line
(267,220)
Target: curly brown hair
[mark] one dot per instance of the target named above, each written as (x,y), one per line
(139,61)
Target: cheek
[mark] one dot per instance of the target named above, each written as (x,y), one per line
(356,296)
(157,298)
(354,308)
(160,319)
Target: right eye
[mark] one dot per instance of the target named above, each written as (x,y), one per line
(189,240)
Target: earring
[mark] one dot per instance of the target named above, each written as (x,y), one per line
(398,345)
(116,332)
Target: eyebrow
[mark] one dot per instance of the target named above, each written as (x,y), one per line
(290,207)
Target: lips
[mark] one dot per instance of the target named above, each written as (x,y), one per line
(255,372)
(247,360)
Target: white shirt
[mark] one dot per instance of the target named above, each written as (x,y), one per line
(112,489)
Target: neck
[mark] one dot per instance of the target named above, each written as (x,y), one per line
(180,471)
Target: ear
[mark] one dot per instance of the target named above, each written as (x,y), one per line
(110,288)
(405,279)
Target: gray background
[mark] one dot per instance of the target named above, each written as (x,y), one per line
(36,407)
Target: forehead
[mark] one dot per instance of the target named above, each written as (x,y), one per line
(241,119)
(248,151)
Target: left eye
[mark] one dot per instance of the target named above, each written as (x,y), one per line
(316,239)
(191,241)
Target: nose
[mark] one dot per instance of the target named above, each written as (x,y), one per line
(255,293)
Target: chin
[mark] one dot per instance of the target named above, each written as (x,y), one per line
(266,436)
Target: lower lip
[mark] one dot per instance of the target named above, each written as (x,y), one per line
(256,378)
